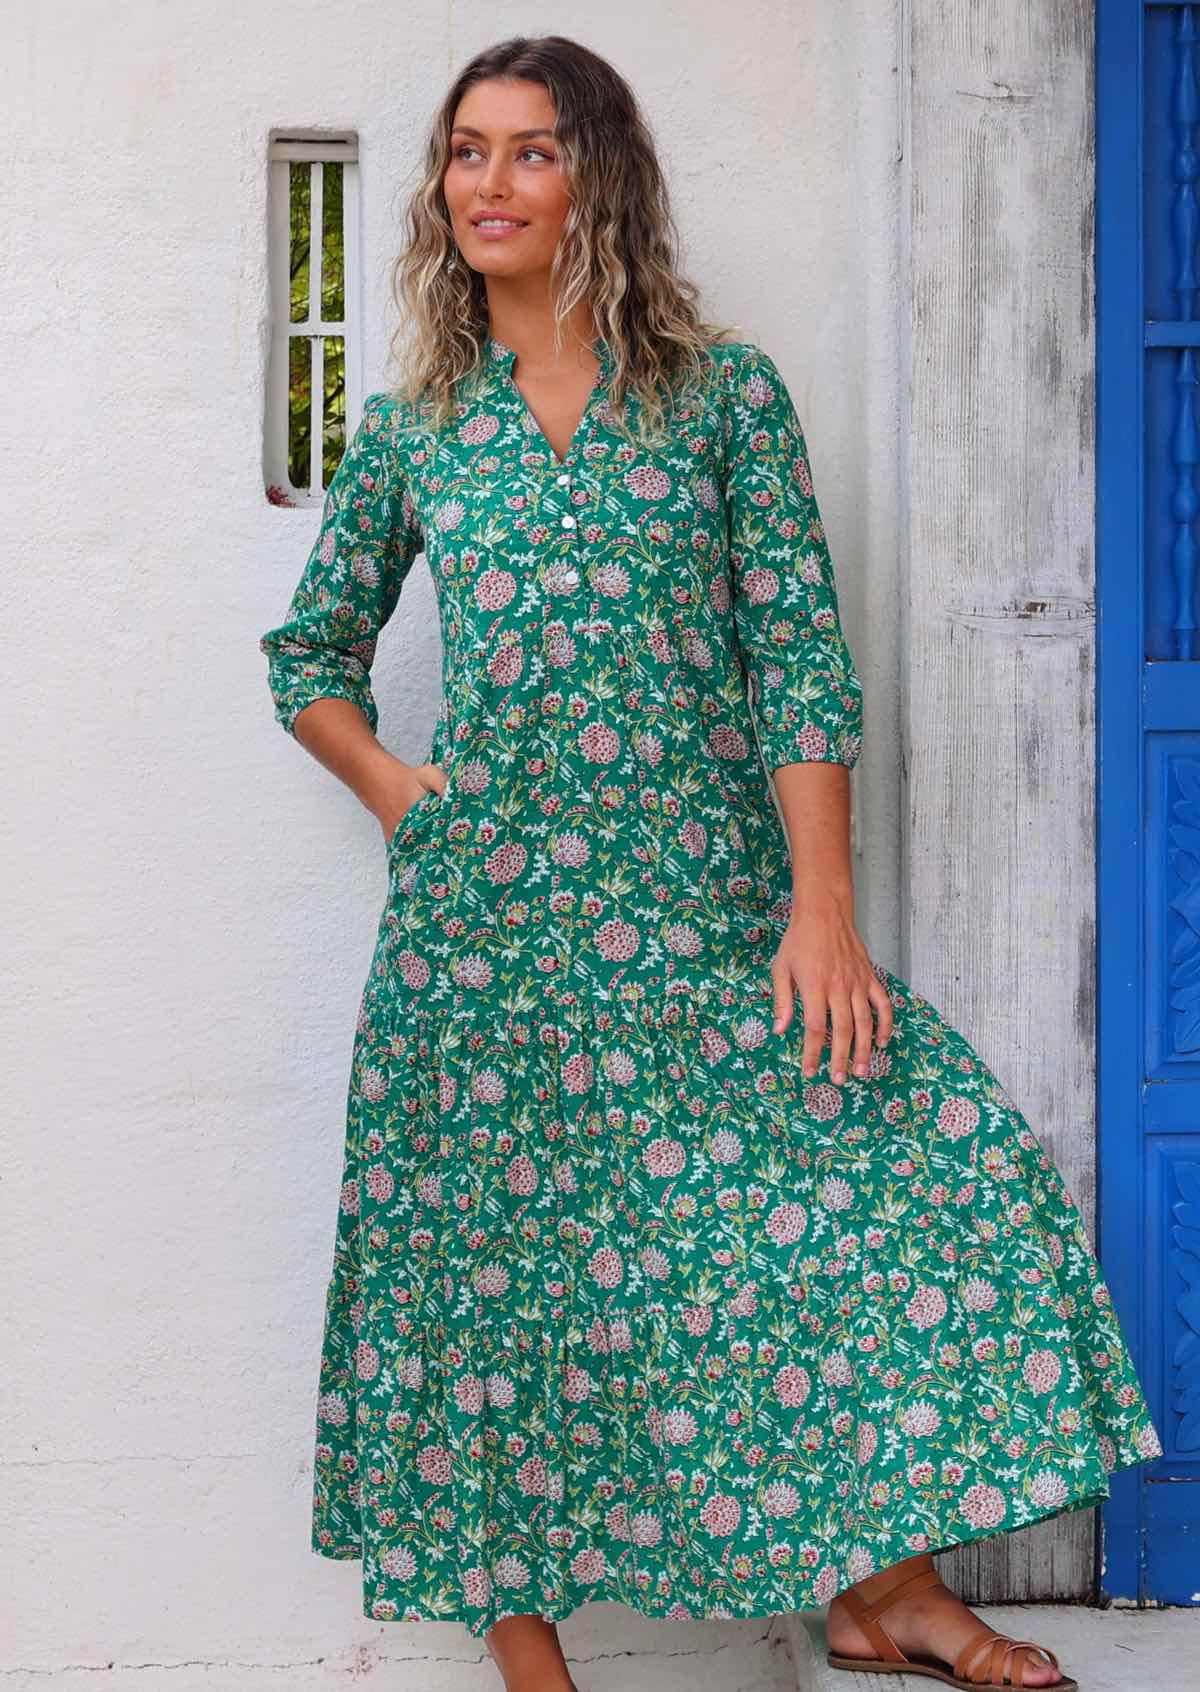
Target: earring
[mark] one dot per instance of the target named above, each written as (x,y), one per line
(452,262)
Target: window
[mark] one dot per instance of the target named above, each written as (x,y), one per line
(313,395)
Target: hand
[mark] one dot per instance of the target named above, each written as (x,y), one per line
(823,955)
(399,787)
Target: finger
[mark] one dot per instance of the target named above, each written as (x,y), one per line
(882,1001)
(815,1010)
(843,1026)
(863,1031)
(783,992)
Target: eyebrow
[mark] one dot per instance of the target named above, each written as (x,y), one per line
(517,134)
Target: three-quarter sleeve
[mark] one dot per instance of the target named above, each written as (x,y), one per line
(804,691)
(369,536)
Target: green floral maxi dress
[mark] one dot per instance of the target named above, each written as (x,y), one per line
(622,1305)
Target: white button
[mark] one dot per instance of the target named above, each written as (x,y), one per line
(568,522)
(564,481)
(571,578)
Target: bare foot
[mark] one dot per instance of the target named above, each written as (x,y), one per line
(933,1622)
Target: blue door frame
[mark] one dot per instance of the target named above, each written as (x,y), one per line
(1148,764)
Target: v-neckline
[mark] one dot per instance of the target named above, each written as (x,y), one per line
(505,357)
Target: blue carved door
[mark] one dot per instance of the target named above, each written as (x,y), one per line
(1148,768)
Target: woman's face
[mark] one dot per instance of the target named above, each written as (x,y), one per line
(504,163)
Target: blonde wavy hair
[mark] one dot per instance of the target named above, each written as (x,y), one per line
(618,249)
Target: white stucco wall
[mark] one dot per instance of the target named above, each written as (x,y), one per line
(191,901)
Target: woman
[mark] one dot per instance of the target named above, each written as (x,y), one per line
(638,1292)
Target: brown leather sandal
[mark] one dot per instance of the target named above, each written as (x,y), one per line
(1002,1658)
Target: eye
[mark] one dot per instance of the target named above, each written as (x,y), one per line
(540,154)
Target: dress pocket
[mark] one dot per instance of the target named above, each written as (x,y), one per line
(408,830)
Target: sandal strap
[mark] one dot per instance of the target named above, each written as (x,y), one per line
(865,1613)
(1000,1671)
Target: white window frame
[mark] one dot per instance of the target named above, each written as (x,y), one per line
(286,147)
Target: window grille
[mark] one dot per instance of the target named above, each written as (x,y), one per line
(313,399)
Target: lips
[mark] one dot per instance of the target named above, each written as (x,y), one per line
(504,222)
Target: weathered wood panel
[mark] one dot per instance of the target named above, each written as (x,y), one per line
(998,754)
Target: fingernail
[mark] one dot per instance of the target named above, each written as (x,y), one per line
(840,1076)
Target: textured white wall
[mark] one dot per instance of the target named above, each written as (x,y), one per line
(191,901)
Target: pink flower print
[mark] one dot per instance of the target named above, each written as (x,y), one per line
(836,1193)
(921,1419)
(611,580)
(373,1085)
(787,1223)
(491,1279)
(522,1176)
(500,1391)
(982,1506)
(812,743)
(380,1183)
(619,1067)
(468,1394)
(725,1147)
(449,515)
(713,1045)
(578,1385)
(617,941)
(479,430)
(1048,1490)
(472,972)
(822,1101)
(349,1198)
(599,744)
(693,837)
(578,1073)
(926,1307)
(750,1034)
(559,647)
(664,1157)
(473,778)
(364,569)
(505,863)
(494,589)
(697,1319)
(398,1563)
(488,1087)
(331,1408)
(506,664)
(648,482)
(414,971)
(683,941)
(760,585)
(477,1587)
(646,1528)
(721,1514)
(606,1266)
(1041,1371)
(679,1427)
(1147,1443)
(729,743)
(958,1117)
(780,1499)
(792,1386)
(978,1294)
(531,1477)
(745,1301)
(366,1361)
(656,1265)
(571,850)
(868,1441)
(511,1571)
(587,1565)
(616,1521)
(429,1191)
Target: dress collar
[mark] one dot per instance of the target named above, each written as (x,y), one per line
(500,357)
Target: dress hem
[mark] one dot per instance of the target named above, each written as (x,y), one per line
(574,1597)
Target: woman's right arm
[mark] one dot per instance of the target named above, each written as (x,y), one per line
(319,658)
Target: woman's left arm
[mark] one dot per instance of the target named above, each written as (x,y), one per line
(806,700)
